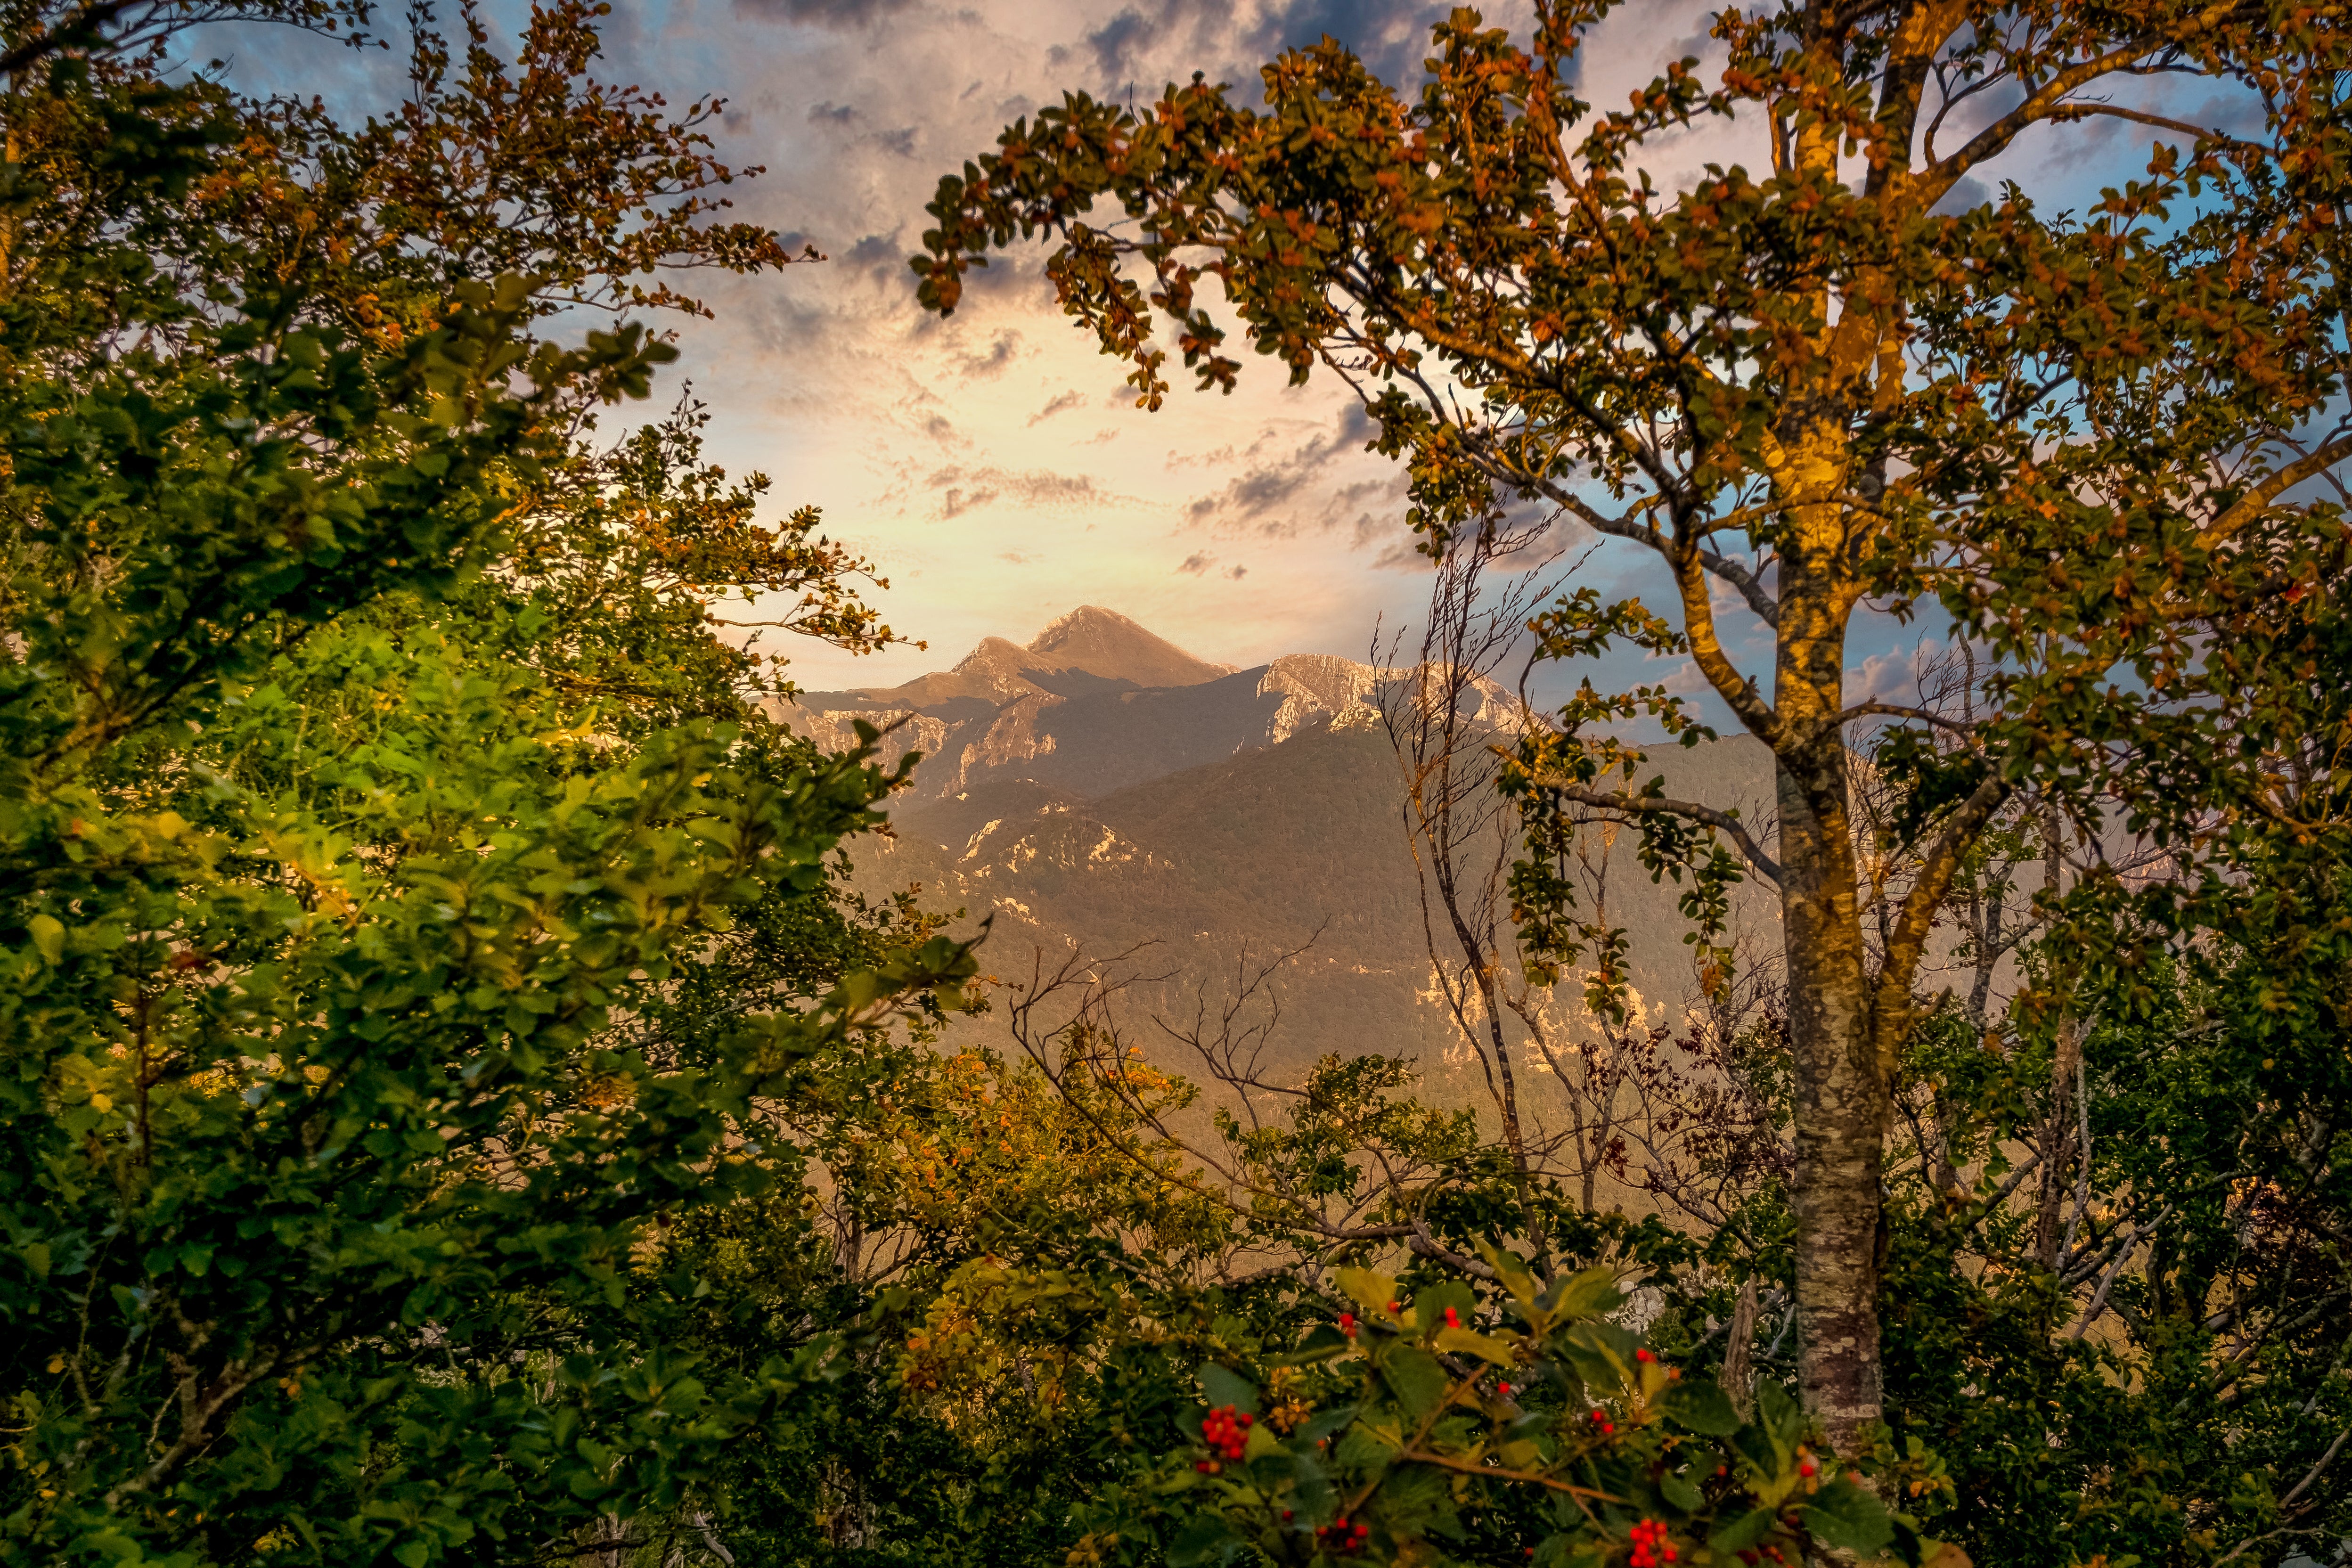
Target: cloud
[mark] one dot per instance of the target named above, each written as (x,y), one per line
(1966,193)
(1068,400)
(1403,555)
(970,489)
(1390,36)
(1280,499)
(1148,42)
(1238,573)
(837,13)
(832,114)
(1121,44)
(1197,564)
(991,361)
(1894,675)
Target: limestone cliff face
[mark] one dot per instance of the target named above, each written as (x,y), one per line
(1320,689)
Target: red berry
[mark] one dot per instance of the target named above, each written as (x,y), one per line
(1286,1516)
(1393,1306)
(1806,1469)
(1452,1320)
(1504,1389)
(1245,1419)
(1644,1355)
(1206,1466)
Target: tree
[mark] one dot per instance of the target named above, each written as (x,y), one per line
(1845,384)
(361,892)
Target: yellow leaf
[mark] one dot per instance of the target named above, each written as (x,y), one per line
(1373,1292)
(1470,1342)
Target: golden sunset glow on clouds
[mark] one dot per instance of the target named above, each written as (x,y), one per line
(992,465)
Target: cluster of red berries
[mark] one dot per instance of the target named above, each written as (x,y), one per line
(1452,1319)
(1601,1418)
(1651,1547)
(1225,1431)
(1339,1537)
(1348,1324)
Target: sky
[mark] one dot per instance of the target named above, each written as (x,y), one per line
(994,466)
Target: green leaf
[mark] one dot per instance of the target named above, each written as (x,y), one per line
(1699,1405)
(1416,1379)
(1323,1424)
(49,935)
(1744,1531)
(1584,1295)
(1780,1415)
(1205,1538)
(1321,1344)
(1222,1385)
(1428,1305)
(1601,1354)
(1511,1272)
(1844,1516)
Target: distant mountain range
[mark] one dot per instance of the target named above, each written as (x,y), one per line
(1103,791)
(1094,704)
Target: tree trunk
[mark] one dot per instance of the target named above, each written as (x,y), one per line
(1841,1112)
(1842,1090)
(1739,1352)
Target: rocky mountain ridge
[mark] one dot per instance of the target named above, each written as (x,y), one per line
(1097,703)
(1200,827)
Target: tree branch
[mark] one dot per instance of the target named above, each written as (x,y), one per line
(2040,104)
(2255,502)
(1658,805)
(1964,730)
(1908,937)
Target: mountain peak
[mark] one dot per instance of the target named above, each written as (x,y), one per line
(1106,643)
